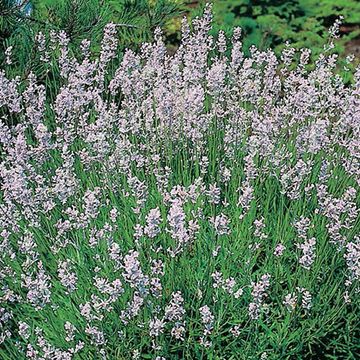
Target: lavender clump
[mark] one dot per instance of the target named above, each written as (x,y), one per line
(144,193)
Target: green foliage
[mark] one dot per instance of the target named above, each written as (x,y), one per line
(265,23)
(80,19)
(270,23)
(13,26)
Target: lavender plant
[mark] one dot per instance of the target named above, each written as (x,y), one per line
(200,205)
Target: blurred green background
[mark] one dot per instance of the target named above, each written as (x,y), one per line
(269,23)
